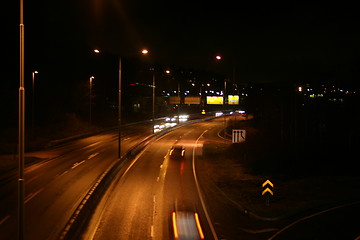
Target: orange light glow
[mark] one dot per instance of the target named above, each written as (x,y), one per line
(176,235)
(201,234)
(144,51)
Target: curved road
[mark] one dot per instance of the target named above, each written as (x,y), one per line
(140,202)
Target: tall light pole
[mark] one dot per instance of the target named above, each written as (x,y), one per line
(145,52)
(90,99)
(218,58)
(119,111)
(33,101)
(97,51)
(21,180)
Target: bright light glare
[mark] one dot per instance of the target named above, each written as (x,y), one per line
(96,51)
(218,57)
(199,226)
(176,235)
(144,51)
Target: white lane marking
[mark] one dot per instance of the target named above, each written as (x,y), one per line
(95,143)
(152,231)
(77,164)
(4,219)
(199,191)
(93,155)
(32,195)
(153,216)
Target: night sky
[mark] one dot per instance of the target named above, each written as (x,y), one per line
(265,41)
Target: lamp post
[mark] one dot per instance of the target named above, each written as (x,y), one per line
(97,51)
(145,52)
(90,99)
(21,180)
(218,58)
(33,101)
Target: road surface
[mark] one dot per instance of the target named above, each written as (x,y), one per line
(141,201)
(55,186)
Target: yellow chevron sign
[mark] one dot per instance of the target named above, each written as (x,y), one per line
(267,182)
(267,190)
(267,187)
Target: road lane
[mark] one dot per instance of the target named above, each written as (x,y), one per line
(140,203)
(55,186)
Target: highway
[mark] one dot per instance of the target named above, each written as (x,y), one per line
(57,183)
(142,200)
(152,197)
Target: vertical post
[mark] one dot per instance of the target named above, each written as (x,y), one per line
(90,99)
(21,180)
(153,101)
(119,111)
(178,108)
(33,104)
(224,107)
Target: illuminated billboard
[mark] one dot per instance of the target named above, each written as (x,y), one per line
(233,99)
(214,100)
(192,100)
(174,100)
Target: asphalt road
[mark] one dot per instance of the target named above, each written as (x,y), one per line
(140,202)
(142,199)
(55,186)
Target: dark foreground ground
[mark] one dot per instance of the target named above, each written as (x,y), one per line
(309,175)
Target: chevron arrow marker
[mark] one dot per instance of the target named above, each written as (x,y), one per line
(267,190)
(267,182)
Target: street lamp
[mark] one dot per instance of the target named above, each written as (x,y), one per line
(90,98)
(33,100)
(145,52)
(97,51)
(21,126)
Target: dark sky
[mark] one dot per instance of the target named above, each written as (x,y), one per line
(264,40)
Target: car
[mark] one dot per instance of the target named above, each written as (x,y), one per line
(177,152)
(186,225)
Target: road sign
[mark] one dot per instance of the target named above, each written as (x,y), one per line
(267,190)
(238,136)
